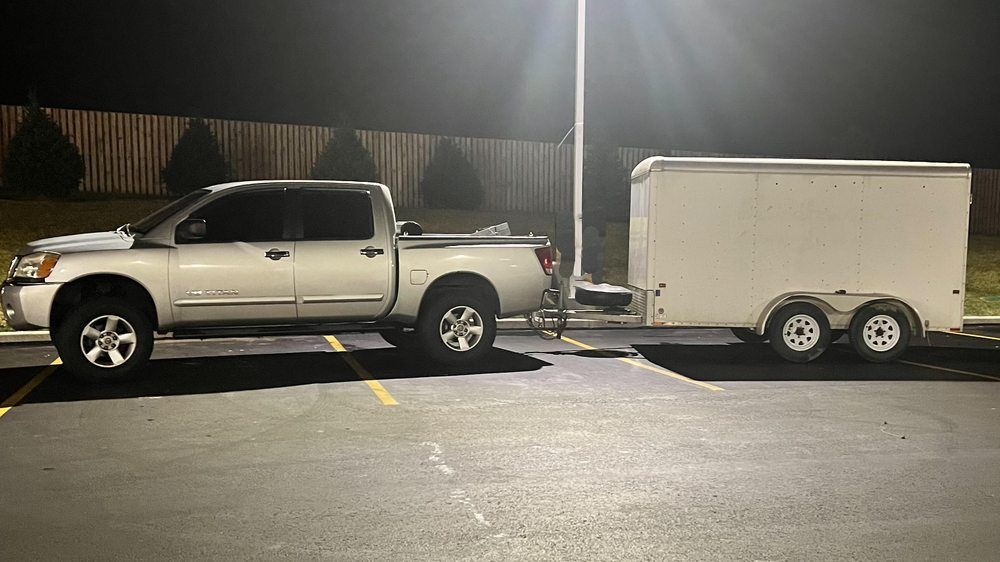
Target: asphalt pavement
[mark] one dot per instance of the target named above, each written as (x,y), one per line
(608,444)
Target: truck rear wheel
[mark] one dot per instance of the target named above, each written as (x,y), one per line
(105,340)
(457,327)
(880,332)
(799,332)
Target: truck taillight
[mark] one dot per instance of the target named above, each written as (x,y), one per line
(545,259)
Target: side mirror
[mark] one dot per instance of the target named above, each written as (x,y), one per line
(191,229)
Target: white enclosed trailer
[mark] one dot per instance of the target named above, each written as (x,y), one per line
(792,250)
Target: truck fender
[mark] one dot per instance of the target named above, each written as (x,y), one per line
(136,288)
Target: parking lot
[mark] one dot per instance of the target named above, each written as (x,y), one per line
(607,444)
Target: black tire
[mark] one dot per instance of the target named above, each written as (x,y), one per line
(431,325)
(71,341)
(880,332)
(403,339)
(809,336)
(747,335)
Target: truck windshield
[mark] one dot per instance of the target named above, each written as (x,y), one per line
(158,216)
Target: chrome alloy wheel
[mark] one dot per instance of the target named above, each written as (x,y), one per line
(108,341)
(461,328)
(881,332)
(801,332)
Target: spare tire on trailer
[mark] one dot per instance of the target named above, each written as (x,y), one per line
(604,295)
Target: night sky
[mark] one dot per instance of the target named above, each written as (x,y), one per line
(903,79)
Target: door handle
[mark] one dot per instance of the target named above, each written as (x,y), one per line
(372,252)
(276,254)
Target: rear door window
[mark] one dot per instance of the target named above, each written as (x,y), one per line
(337,214)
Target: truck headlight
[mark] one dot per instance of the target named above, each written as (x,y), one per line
(34,266)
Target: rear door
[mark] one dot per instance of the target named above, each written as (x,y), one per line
(241,272)
(343,255)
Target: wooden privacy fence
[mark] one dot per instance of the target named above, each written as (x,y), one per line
(125,152)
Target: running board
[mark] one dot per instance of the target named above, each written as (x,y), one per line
(283,330)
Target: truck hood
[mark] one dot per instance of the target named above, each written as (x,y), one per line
(89,242)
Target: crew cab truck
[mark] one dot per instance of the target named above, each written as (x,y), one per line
(272,257)
(799,251)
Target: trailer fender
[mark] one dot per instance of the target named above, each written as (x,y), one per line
(840,308)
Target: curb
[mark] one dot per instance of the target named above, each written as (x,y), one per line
(982,320)
(32,336)
(42,336)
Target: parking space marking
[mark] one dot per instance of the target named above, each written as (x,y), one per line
(379,390)
(15,399)
(967,334)
(949,370)
(657,370)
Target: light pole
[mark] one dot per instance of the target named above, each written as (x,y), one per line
(581,31)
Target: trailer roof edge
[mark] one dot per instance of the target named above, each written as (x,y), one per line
(786,165)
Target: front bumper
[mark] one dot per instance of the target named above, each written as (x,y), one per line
(27,306)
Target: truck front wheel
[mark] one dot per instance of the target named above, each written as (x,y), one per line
(104,340)
(880,332)
(799,332)
(457,327)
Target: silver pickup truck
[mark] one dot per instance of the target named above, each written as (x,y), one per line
(272,257)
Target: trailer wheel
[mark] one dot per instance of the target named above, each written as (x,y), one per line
(880,332)
(799,332)
(457,327)
(747,335)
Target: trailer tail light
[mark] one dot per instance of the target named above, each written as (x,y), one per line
(545,259)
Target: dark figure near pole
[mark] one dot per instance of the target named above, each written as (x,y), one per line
(593,252)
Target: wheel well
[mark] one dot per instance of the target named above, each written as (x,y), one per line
(470,281)
(73,293)
(916,325)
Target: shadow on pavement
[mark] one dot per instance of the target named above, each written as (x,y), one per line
(757,362)
(604,352)
(205,375)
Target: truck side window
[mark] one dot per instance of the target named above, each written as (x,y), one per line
(254,216)
(337,214)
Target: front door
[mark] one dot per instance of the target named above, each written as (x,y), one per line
(343,258)
(241,271)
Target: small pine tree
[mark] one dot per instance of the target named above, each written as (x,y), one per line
(450,181)
(41,159)
(196,160)
(345,158)
(605,186)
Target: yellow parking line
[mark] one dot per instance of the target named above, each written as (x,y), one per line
(975,336)
(363,373)
(949,370)
(657,370)
(16,398)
